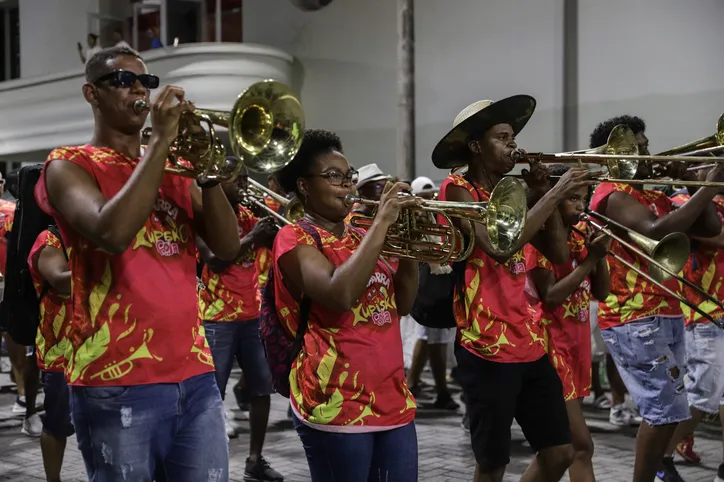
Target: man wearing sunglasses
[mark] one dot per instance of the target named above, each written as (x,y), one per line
(145,402)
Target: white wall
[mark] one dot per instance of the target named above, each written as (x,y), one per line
(49,31)
(466,50)
(658,59)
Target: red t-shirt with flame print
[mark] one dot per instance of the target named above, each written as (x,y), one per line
(7,213)
(263,259)
(51,341)
(233,294)
(705,269)
(134,318)
(349,376)
(632,297)
(495,320)
(568,325)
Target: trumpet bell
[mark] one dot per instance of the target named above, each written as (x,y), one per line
(671,252)
(506,213)
(622,141)
(266,126)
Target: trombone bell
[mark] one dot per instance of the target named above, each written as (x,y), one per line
(671,252)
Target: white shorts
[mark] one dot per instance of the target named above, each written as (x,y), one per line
(435,336)
(598,346)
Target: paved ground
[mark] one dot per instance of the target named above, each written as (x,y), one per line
(443,446)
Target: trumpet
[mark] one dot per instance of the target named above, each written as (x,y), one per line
(503,215)
(253,196)
(666,258)
(621,156)
(266,128)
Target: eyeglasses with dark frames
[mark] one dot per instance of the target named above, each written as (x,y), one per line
(126,78)
(336,178)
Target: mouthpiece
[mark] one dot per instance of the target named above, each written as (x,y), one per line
(349,199)
(140,106)
(516,155)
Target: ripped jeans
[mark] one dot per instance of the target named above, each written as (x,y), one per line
(650,355)
(162,432)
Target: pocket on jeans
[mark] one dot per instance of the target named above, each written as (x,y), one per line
(647,342)
(105,393)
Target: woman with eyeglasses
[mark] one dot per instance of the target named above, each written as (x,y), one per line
(350,403)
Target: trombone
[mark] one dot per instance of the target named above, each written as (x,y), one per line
(503,215)
(620,155)
(291,212)
(266,128)
(666,258)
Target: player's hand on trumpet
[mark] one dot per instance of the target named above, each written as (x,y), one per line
(391,202)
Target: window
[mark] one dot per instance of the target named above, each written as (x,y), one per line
(9,43)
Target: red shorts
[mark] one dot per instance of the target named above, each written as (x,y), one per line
(570,354)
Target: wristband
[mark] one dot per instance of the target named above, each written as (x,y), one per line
(207,184)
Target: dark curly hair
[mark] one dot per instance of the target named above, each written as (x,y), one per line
(97,65)
(316,142)
(600,134)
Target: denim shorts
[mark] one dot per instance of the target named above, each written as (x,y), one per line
(650,354)
(239,340)
(162,432)
(56,419)
(704,378)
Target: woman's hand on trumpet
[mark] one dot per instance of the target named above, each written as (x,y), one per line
(391,203)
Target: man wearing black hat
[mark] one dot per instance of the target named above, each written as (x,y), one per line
(501,355)
(229,306)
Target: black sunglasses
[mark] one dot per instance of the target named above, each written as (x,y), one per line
(125,78)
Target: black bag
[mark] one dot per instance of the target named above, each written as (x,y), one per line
(20,308)
(433,305)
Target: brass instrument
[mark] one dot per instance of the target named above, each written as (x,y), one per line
(620,155)
(709,144)
(504,216)
(291,212)
(266,127)
(666,258)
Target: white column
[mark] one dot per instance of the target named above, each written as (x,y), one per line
(218,20)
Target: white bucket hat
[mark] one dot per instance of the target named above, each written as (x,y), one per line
(369,173)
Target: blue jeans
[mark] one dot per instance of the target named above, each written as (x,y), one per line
(365,457)
(705,366)
(170,431)
(239,339)
(651,359)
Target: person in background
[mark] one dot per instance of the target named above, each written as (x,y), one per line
(565,292)
(92,48)
(431,343)
(155,39)
(50,272)
(229,309)
(351,406)
(642,325)
(704,340)
(139,367)
(370,185)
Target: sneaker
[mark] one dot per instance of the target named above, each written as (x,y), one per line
(230,429)
(261,471)
(668,472)
(445,402)
(241,414)
(623,416)
(465,424)
(602,402)
(32,426)
(720,473)
(19,406)
(685,448)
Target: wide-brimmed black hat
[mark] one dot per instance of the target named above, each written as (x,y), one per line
(452,150)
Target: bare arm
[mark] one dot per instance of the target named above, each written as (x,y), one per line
(113,223)
(53,267)
(628,211)
(406,284)
(215,222)
(600,281)
(554,292)
(261,235)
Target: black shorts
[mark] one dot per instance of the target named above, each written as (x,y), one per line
(496,393)
(56,419)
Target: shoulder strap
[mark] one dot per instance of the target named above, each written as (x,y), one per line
(304,304)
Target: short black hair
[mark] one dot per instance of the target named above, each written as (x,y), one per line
(98,64)
(600,134)
(316,142)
